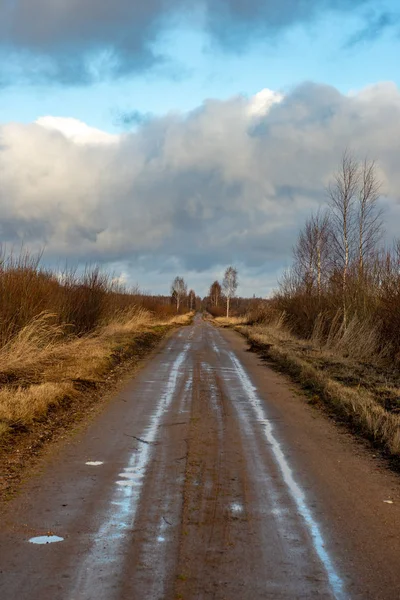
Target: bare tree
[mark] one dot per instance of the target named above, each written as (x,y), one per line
(215,293)
(321,235)
(342,201)
(230,284)
(311,253)
(304,254)
(192,300)
(370,222)
(178,291)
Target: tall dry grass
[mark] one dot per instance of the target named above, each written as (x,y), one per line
(60,333)
(79,302)
(229,321)
(337,369)
(359,338)
(363,317)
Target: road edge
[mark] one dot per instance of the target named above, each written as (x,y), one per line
(22,453)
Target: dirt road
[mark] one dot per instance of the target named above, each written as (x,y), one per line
(206,478)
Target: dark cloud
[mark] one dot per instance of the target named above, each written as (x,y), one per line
(236,22)
(17,229)
(375,26)
(80,40)
(75,39)
(132,118)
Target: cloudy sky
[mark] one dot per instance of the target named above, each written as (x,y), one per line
(175,137)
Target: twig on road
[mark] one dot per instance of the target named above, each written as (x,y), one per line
(182,457)
(140,439)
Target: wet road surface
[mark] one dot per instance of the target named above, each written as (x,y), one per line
(205,478)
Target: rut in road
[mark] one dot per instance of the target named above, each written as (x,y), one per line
(247,529)
(192,497)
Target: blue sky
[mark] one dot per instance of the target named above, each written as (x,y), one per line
(151,78)
(197,68)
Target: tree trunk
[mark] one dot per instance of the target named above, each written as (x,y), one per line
(344,290)
(360,253)
(227,307)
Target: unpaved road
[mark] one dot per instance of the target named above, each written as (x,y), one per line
(216,481)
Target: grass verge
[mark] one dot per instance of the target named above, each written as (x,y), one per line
(49,383)
(364,395)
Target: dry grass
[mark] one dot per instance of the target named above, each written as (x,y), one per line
(184,319)
(127,321)
(84,301)
(34,344)
(230,321)
(366,395)
(61,333)
(20,406)
(42,366)
(360,338)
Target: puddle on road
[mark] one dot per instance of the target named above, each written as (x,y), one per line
(236,507)
(215,347)
(131,477)
(94,463)
(46,539)
(162,528)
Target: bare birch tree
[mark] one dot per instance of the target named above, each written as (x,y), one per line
(230,284)
(304,257)
(215,294)
(178,291)
(370,222)
(342,201)
(321,231)
(311,253)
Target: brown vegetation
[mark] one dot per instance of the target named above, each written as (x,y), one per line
(343,283)
(336,374)
(61,334)
(364,394)
(334,323)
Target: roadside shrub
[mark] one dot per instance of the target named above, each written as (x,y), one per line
(217,311)
(78,302)
(262,313)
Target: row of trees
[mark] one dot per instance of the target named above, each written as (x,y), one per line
(342,241)
(222,294)
(218,295)
(181,297)
(341,268)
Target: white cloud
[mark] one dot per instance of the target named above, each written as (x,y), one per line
(77,131)
(230,182)
(261,102)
